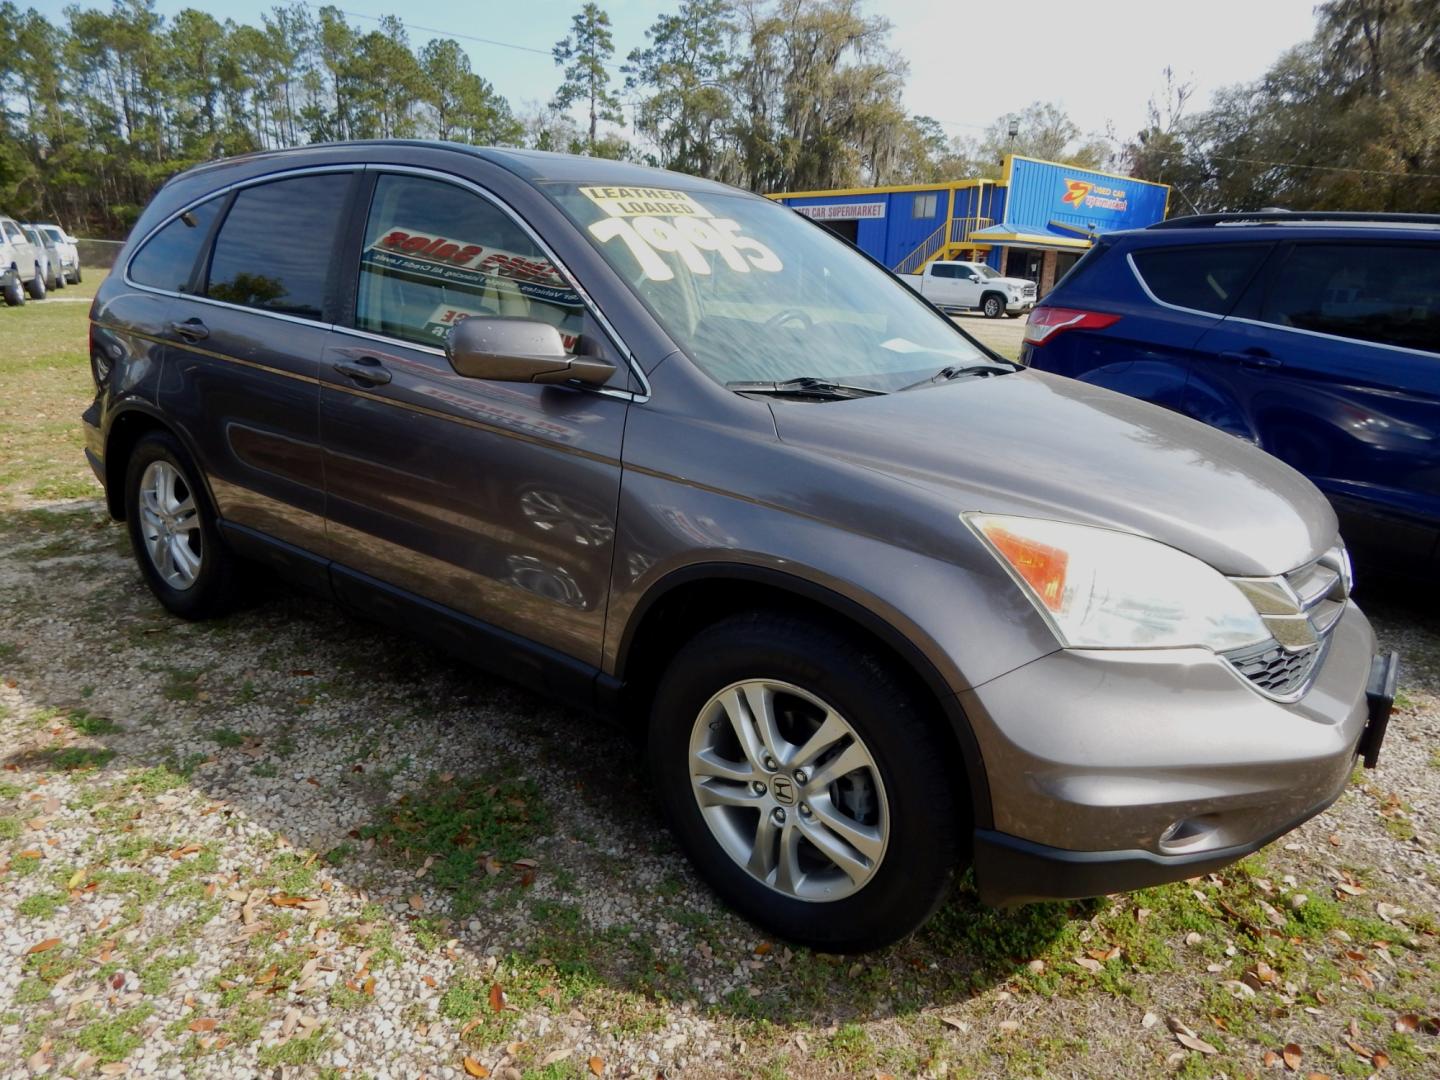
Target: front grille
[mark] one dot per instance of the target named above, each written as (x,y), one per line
(1274,670)
(1300,609)
(1029,290)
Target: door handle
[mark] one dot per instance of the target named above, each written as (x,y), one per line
(190,330)
(365,370)
(1254,361)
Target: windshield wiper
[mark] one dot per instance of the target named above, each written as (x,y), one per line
(807,386)
(955,371)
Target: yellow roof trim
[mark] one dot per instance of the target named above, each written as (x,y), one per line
(1039,239)
(945,185)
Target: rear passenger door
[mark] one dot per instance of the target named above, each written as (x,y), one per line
(244,349)
(496,500)
(1333,364)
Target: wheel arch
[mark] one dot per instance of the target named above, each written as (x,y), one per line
(687,599)
(1004,300)
(132,423)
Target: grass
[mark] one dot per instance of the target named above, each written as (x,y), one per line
(47,376)
(628,968)
(467,831)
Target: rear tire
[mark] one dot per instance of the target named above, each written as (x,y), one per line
(173,531)
(78,278)
(879,795)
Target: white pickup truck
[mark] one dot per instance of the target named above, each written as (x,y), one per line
(968,286)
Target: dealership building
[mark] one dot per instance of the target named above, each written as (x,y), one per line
(1034,222)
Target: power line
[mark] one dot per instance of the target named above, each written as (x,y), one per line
(1328,168)
(447,33)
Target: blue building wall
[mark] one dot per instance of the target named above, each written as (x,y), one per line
(1041,196)
(1041,192)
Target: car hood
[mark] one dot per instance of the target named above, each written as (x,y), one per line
(1013,282)
(1046,446)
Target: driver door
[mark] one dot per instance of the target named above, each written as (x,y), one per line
(493,500)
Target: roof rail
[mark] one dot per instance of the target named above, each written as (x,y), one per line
(1275,217)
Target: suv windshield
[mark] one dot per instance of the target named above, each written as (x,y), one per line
(752,291)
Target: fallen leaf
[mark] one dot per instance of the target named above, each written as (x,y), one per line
(43,946)
(597,1066)
(1407,1022)
(417,902)
(368,987)
(1192,1042)
(497,997)
(760,950)
(204,1024)
(1292,1055)
(474,1068)
(1008,1026)
(1088,964)
(955,1022)
(1380,1059)
(556,1055)
(1271,1059)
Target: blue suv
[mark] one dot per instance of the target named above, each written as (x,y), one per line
(1313,335)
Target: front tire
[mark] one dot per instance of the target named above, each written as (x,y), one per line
(173,532)
(37,285)
(15,293)
(806,781)
(992,306)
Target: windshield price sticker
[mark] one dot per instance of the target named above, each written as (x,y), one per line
(626,202)
(432,257)
(649,221)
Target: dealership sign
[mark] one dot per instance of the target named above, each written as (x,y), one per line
(844,211)
(1084,194)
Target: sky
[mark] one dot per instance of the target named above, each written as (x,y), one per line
(970,62)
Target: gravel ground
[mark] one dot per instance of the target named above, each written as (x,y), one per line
(290,843)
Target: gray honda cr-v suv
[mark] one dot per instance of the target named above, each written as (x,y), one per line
(884,603)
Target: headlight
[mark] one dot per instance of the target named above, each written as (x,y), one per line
(1101,589)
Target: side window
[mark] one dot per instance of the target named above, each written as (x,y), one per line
(436,254)
(273,250)
(1385,293)
(1202,276)
(945,270)
(167,258)
(12,233)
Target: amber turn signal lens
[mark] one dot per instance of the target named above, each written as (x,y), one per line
(1042,566)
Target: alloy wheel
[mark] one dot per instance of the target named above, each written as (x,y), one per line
(170,525)
(789,790)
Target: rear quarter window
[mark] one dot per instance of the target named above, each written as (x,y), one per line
(1202,277)
(166,260)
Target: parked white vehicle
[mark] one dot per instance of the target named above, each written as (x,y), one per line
(22,264)
(49,256)
(68,247)
(971,286)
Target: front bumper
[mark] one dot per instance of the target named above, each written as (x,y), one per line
(1111,771)
(1020,307)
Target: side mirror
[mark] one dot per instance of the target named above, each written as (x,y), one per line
(509,349)
(975,278)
